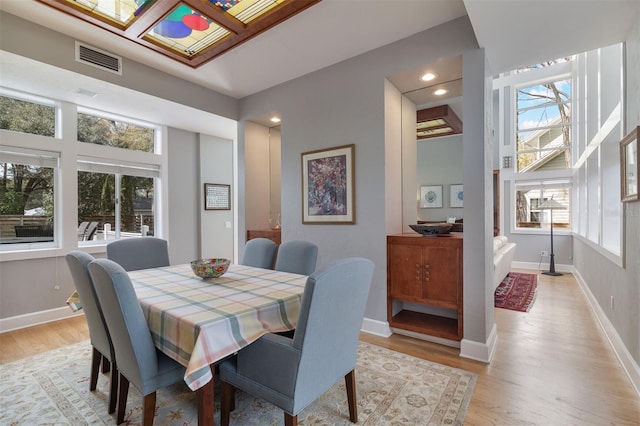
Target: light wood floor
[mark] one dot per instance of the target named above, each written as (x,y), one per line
(552,366)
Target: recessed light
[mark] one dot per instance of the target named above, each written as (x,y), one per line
(440,92)
(275,119)
(428,76)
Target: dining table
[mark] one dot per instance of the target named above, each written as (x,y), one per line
(198,322)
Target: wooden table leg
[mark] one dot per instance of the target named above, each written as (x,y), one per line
(204,396)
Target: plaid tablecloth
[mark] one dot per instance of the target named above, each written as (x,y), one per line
(198,322)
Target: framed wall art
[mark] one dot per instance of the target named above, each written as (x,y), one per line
(456,195)
(328,190)
(629,159)
(430,196)
(217,196)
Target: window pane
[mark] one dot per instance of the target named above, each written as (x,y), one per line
(96,204)
(103,131)
(543,128)
(136,212)
(27,117)
(530,215)
(26,203)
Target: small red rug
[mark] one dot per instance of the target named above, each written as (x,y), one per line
(516,292)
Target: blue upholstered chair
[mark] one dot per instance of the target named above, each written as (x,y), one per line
(103,353)
(296,256)
(291,373)
(139,253)
(259,253)
(139,362)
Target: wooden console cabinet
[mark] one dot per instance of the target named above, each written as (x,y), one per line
(271,234)
(425,271)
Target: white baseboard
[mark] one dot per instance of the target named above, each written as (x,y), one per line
(35,318)
(479,351)
(379,328)
(541,267)
(629,365)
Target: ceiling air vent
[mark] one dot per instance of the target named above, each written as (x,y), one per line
(98,58)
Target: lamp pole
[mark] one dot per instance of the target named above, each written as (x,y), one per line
(552,264)
(551,205)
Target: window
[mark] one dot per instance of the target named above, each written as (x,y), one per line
(114,161)
(27,197)
(562,121)
(111,132)
(27,117)
(121,204)
(543,126)
(531,195)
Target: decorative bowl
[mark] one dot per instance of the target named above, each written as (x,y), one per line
(432,229)
(210,268)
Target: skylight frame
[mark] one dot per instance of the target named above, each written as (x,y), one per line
(155,11)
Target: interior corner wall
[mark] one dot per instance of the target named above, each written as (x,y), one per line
(409,165)
(478,198)
(216,226)
(393,157)
(275,192)
(257,177)
(184,196)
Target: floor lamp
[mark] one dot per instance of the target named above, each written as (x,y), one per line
(551,205)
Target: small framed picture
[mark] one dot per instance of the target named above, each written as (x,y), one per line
(217,196)
(629,159)
(430,196)
(456,195)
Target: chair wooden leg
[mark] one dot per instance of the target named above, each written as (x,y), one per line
(113,389)
(106,365)
(350,382)
(227,403)
(123,392)
(96,357)
(149,409)
(290,420)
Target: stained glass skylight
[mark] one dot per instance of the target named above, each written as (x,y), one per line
(190,31)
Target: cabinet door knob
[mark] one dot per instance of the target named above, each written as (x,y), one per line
(426,265)
(426,279)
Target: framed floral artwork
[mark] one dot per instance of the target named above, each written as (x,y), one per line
(328,186)
(456,195)
(430,196)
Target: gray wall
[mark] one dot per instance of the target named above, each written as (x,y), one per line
(345,104)
(184,243)
(604,278)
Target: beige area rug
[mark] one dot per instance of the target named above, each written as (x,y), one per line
(392,389)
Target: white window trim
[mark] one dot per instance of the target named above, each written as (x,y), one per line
(65,146)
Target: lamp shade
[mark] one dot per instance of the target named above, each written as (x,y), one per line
(551,204)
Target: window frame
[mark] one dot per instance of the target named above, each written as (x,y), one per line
(69,151)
